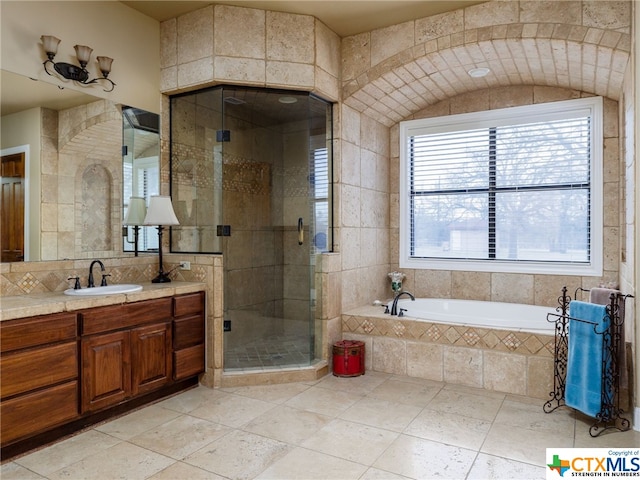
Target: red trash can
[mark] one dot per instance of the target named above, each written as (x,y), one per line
(348,358)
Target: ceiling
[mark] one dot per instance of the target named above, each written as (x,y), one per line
(344,17)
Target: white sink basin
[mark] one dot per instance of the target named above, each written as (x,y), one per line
(108,290)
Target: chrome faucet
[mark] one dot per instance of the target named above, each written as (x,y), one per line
(91,284)
(394,305)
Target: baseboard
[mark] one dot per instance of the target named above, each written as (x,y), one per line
(636,419)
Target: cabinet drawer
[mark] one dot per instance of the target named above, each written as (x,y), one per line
(38,411)
(30,332)
(101,319)
(104,319)
(188,304)
(30,369)
(188,331)
(150,310)
(188,362)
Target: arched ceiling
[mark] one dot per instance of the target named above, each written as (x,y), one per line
(415,78)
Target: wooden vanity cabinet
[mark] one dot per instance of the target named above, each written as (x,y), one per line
(188,335)
(62,372)
(126,351)
(38,374)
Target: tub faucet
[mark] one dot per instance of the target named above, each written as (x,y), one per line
(91,284)
(394,305)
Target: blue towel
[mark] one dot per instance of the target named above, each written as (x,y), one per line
(583,390)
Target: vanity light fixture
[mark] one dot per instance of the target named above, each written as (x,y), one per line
(73,72)
(135,217)
(160,213)
(478,72)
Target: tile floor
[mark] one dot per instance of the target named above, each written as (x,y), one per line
(376,426)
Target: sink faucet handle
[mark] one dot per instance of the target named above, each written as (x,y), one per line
(103,283)
(76,284)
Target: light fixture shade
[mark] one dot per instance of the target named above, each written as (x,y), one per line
(136,212)
(83,53)
(50,43)
(104,63)
(479,72)
(160,212)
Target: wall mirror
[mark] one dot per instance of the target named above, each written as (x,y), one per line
(75,184)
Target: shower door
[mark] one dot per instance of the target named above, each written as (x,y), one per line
(267,210)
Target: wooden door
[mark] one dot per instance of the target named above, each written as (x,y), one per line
(106,370)
(12,208)
(151,357)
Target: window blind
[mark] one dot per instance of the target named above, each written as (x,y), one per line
(509,192)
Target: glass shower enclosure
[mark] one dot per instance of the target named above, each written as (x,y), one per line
(251,179)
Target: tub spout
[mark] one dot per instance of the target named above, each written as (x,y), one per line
(394,305)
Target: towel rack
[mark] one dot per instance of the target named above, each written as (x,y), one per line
(610,415)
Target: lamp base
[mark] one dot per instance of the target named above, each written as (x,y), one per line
(161,278)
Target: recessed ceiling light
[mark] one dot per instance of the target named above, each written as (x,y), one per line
(287,99)
(478,72)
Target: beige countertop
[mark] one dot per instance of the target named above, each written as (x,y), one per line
(21,306)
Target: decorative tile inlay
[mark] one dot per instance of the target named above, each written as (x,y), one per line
(458,335)
(511,341)
(367,326)
(471,337)
(399,329)
(433,333)
(28,283)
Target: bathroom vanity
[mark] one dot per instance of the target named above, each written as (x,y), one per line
(63,371)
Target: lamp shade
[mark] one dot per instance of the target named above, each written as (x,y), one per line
(50,43)
(83,53)
(160,212)
(136,212)
(104,63)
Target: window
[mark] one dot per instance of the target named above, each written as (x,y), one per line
(511,190)
(319,180)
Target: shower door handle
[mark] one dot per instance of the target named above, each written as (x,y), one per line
(300,231)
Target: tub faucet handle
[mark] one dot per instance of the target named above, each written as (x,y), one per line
(401,312)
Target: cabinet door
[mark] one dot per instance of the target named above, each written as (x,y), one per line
(106,370)
(151,357)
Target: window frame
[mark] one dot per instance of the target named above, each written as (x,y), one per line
(592,106)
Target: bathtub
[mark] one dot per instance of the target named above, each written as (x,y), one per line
(503,347)
(496,315)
